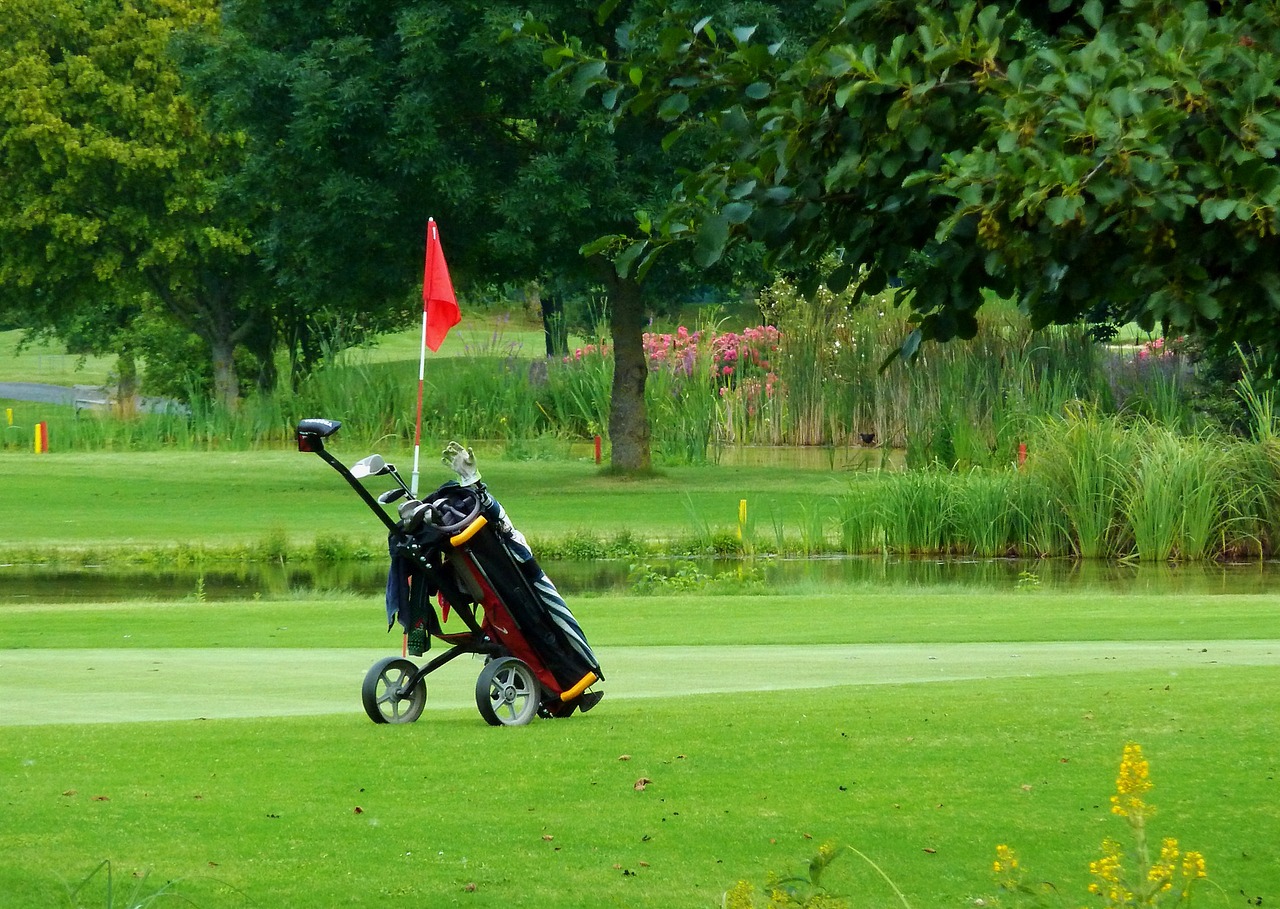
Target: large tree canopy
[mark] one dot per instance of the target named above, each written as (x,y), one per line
(366,117)
(113,187)
(1079,155)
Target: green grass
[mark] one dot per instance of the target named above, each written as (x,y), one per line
(840,615)
(111,502)
(49,363)
(478,333)
(925,779)
(327,809)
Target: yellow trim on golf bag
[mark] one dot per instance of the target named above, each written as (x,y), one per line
(583,684)
(476,526)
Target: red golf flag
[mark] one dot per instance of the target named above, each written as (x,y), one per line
(438,301)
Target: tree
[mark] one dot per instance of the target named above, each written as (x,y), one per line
(113,186)
(1075,154)
(366,117)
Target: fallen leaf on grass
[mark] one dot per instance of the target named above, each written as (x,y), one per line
(102,798)
(547,837)
(641,783)
(69,793)
(624,757)
(358,810)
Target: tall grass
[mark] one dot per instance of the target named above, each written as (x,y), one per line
(1085,460)
(1094,487)
(813,380)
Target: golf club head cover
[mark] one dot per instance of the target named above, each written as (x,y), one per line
(461,461)
(413,514)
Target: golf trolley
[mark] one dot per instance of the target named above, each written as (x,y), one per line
(456,544)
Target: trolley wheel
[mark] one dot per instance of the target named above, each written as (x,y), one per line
(383,694)
(507,692)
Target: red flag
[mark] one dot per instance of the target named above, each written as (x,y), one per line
(439,305)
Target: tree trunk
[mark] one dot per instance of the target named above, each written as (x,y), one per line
(226,384)
(209,312)
(554,326)
(628,415)
(126,397)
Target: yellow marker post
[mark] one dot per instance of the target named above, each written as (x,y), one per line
(42,437)
(742,518)
(8,415)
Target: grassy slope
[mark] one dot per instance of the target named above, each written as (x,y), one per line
(227,498)
(926,779)
(835,616)
(478,333)
(49,364)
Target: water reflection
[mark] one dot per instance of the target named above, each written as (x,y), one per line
(21,584)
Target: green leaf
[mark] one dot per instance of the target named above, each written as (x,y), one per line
(605,10)
(636,75)
(919,138)
(673,106)
(1091,12)
(757,91)
(1061,209)
(912,344)
(598,245)
(1208,306)
(711,239)
(1217,209)
(738,212)
(588,75)
(742,34)
(622,264)
(838,280)
(844,92)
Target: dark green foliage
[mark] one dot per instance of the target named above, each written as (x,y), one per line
(1078,157)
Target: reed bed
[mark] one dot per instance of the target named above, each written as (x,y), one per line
(811,377)
(1092,487)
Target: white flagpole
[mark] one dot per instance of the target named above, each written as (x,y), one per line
(422,370)
(417,434)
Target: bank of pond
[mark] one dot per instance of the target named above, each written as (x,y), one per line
(39,584)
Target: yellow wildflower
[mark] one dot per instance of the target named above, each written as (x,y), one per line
(1109,873)
(1006,860)
(1131,784)
(1193,866)
(740,896)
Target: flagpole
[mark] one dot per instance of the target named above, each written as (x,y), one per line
(439,314)
(422,363)
(417,433)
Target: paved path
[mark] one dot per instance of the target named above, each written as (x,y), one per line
(88,686)
(92,396)
(39,393)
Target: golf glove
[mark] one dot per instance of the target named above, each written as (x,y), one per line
(462,462)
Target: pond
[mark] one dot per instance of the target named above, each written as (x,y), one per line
(26,584)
